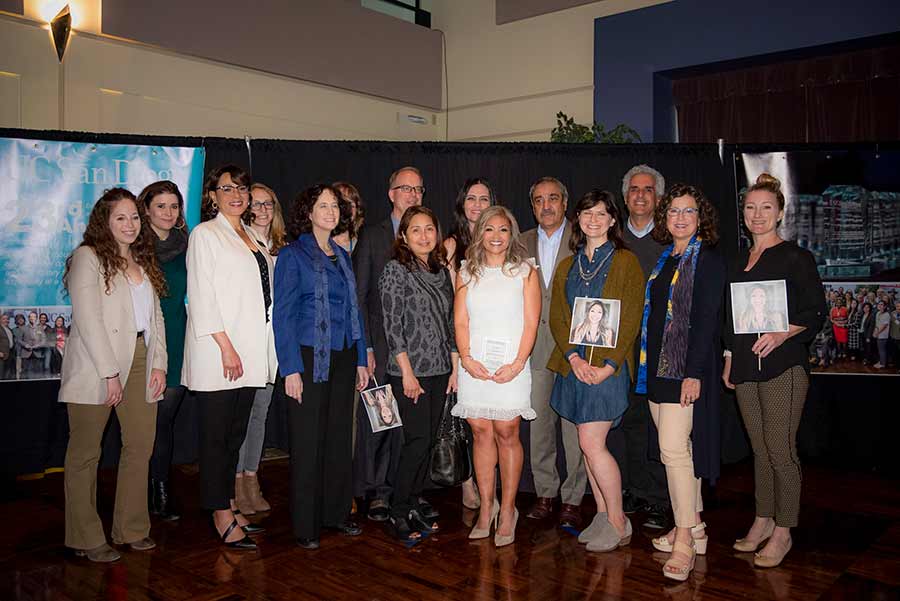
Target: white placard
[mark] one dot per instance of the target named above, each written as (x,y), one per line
(759,307)
(595,322)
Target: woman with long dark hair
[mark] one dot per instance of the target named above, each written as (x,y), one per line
(164,206)
(417,299)
(115,359)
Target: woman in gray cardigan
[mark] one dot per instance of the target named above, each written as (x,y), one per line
(417,298)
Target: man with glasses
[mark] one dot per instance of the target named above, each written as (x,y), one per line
(644,485)
(548,243)
(377,453)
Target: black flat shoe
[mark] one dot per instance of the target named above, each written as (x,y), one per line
(347,528)
(249,528)
(379,511)
(427,510)
(400,529)
(419,522)
(244,544)
(310,544)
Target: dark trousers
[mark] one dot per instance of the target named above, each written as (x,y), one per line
(321,445)
(223,424)
(376,461)
(642,476)
(166,411)
(420,423)
(8,366)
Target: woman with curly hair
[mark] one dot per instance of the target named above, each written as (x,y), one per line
(679,367)
(229,347)
(496,310)
(265,218)
(321,348)
(594,330)
(347,232)
(115,359)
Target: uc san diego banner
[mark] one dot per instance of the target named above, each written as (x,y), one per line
(47,191)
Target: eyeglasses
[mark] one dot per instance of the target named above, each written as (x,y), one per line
(686,211)
(268,204)
(420,190)
(230,189)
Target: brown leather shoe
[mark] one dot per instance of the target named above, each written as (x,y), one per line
(570,516)
(541,509)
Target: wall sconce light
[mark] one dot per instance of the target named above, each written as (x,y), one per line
(61,29)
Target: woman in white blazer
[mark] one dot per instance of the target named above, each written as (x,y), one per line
(229,349)
(115,359)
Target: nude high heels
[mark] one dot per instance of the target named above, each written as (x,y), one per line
(478,533)
(502,540)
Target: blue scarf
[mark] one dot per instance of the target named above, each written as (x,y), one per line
(321,349)
(673,350)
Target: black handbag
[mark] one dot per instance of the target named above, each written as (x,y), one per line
(451,462)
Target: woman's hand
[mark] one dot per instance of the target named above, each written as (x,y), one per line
(362,377)
(475,368)
(232,368)
(114,391)
(293,387)
(726,373)
(157,382)
(509,371)
(690,391)
(411,387)
(599,374)
(769,342)
(582,369)
(370,367)
(453,382)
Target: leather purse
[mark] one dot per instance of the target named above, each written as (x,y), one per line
(451,462)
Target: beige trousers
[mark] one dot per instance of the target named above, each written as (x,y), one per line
(674,424)
(137,418)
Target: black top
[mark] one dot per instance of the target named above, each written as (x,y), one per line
(703,336)
(806,308)
(264,279)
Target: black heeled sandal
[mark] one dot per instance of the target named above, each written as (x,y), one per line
(417,522)
(244,544)
(400,529)
(249,528)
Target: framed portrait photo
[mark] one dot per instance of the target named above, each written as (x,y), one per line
(381,408)
(595,322)
(759,307)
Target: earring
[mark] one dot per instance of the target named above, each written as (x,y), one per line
(215,206)
(181,223)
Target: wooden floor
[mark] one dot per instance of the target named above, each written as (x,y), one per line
(847,548)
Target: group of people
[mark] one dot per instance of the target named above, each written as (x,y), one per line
(864,326)
(485,313)
(31,347)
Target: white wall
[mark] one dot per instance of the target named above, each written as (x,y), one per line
(507,82)
(117,86)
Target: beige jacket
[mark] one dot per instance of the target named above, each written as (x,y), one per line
(225,295)
(544,343)
(102,337)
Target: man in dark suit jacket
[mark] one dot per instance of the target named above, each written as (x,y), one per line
(548,243)
(377,453)
(7,350)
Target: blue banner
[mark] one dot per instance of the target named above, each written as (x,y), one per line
(47,191)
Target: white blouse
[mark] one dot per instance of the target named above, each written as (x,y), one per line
(142,302)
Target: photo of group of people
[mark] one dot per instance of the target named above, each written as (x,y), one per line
(862,331)
(33,341)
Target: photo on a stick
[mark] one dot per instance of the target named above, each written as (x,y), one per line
(595,322)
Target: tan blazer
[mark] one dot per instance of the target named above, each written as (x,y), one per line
(101,338)
(224,295)
(544,344)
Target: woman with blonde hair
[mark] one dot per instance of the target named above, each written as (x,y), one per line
(264,216)
(115,359)
(771,372)
(496,313)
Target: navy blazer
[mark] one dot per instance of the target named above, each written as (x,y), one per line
(294,306)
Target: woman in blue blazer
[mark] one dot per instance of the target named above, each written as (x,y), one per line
(320,341)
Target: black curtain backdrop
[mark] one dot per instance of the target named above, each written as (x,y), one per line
(33,437)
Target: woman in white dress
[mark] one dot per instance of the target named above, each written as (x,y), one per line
(496,310)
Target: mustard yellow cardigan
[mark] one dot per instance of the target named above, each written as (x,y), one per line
(625,282)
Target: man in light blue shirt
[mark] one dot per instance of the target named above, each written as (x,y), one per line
(549,244)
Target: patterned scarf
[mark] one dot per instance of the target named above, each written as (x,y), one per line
(673,350)
(321,349)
